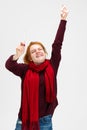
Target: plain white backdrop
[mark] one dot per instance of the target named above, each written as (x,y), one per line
(38,20)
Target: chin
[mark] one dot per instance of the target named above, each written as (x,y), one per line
(40,61)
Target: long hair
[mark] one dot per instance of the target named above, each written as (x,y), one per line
(27,56)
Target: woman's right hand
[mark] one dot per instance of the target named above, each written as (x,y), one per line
(19,51)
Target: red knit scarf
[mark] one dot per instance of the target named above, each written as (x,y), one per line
(30,104)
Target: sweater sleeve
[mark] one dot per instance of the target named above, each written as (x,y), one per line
(57,45)
(16,68)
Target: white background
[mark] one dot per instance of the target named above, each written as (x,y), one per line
(37,20)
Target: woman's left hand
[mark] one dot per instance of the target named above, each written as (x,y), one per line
(64,12)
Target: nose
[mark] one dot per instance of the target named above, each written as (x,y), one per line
(37,51)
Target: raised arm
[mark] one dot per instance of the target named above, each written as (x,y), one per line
(11,63)
(19,51)
(61,29)
(57,44)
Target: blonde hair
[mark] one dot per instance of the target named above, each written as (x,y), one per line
(27,56)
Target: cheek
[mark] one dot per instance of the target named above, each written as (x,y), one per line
(43,53)
(32,56)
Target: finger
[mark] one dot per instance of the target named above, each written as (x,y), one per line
(22,44)
(18,49)
(64,9)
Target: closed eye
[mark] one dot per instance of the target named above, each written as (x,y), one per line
(33,51)
(40,49)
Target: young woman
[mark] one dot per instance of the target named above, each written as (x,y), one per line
(38,81)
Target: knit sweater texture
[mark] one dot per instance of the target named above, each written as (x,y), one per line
(20,69)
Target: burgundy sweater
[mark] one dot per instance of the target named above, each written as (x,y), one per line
(20,69)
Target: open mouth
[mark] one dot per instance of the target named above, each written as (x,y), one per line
(39,55)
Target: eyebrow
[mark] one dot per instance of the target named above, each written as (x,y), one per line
(37,48)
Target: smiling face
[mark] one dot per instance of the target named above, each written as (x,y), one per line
(37,53)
